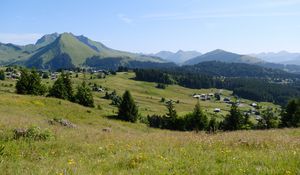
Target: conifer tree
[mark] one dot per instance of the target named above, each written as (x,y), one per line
(199,118)
(84,95)
(30,83)
(128,110)
(62,88)
(234,120)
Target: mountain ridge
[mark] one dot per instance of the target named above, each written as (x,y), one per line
(222,55)
(66,50)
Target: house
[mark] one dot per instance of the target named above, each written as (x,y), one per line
(217,110)
(97,89)
(203,97)
(226,99)
(254,105)
(258,117)
(211,94)
(197,96)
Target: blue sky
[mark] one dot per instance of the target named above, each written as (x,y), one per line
(242,26)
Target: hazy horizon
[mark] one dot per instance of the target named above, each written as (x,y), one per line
(151,26)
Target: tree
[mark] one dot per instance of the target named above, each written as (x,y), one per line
(268,120)
(212,125)
(199,119)
(84,96)
(291,115)
(171,110)
(128,110)
(30,83)
(62,88)
(234,120)
(2,75)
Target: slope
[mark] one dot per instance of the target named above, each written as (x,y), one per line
(178,57)
(65,52)
(132,148)
(224,56)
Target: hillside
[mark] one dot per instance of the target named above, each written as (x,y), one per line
(55,51)
(177,57)
(134,148)
(217,68)
(223,56)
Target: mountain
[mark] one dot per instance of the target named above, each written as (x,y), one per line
(47,39)
(55,51)
(279,57)
(10,52)
(223,56)
(178,57)
(217,68)
(295,61)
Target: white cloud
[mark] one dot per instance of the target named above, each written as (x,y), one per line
(19,38)
(125,19)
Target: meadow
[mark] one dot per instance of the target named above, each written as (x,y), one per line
(129,148)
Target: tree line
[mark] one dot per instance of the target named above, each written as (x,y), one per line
(30,83)
(256,89)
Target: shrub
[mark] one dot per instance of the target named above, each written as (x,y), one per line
(116,100)
(33,133)
(161,86)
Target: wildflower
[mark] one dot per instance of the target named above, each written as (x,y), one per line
(71,162)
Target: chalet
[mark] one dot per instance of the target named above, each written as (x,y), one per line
(226,100)
(211,94)
(197,96)
(217,110)
(254,105)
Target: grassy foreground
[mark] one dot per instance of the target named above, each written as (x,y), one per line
(133,148)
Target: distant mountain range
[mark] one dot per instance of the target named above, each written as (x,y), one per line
(229,57)
(55,51)
(224,56)
(66,51)
(177,57)
(283,57)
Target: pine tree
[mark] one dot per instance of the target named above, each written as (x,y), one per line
(62,88)
(199,118)
(128,110)
(291,115)
(84,95)
(212,125)
(2,75)
(269,119)
(234,120)
(171,118)
(30,83)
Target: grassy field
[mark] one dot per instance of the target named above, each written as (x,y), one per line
(134,148)
(148,96)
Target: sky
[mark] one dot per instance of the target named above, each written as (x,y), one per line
(149,26)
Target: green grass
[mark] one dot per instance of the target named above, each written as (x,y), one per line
(134,148)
